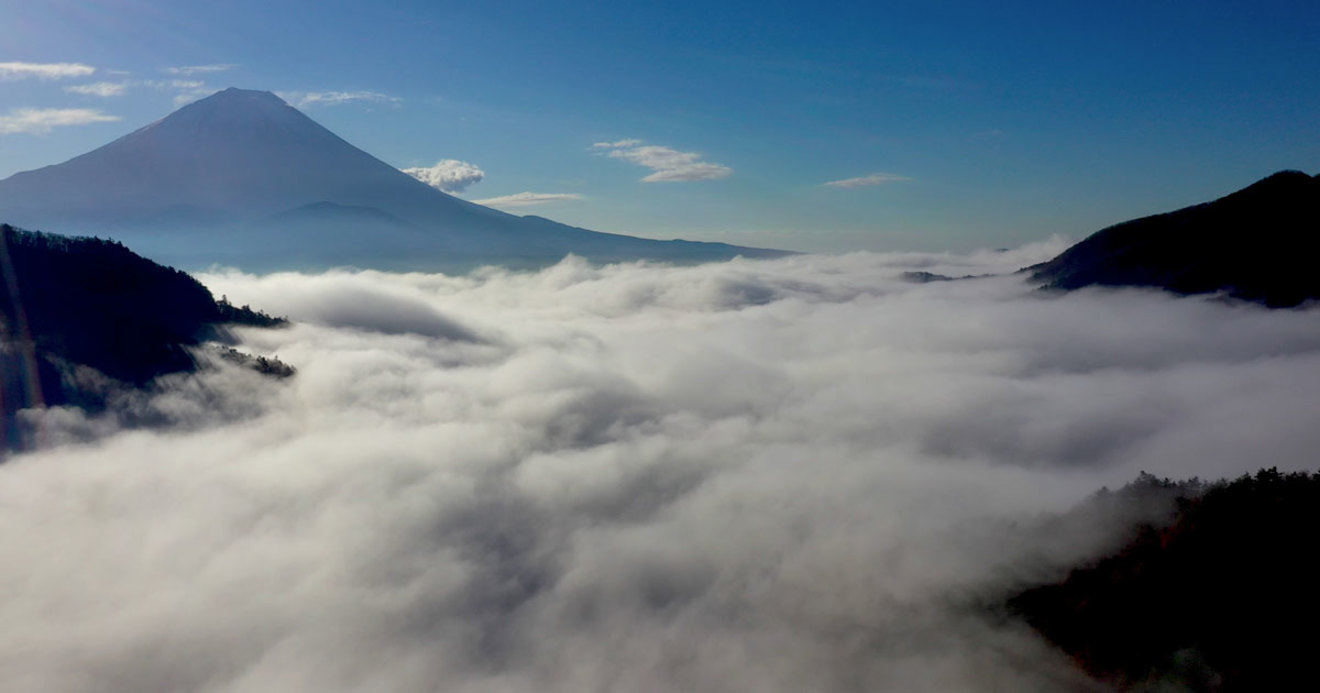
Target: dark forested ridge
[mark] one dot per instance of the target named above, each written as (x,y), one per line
(1221,596)
(69,304)
(1258,244)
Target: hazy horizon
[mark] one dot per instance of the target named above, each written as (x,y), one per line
(948,126)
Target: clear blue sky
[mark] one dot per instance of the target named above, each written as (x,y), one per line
(989,123)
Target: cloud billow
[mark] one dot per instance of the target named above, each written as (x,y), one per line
(781,475)
(448,175)
(669,165)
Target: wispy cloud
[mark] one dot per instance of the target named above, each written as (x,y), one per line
(40,121)
(187,90)
(616,145)
(199,69)
(670,165)
(103,89)
(17,70)
(175,83)
(449,175)
(863,181)
(190,89)
(188,95)
(526,199)
(304,99)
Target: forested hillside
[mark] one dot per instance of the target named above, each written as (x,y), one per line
(1256,244)
(1222,596)
(68,305)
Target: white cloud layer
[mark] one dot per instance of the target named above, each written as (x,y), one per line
(526,199)
(449,175)
(791,475)
(39,121)
(102,89)
(305,99)
(670,165)
(19,70)
(864,181)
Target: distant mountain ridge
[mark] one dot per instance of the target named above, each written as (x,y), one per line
(1258,244)
(244,178)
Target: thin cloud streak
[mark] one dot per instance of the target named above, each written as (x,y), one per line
(189,70)
(616,145)
(45,71)
(175,83)
(527,199)
(188,90)
(866,181)
(102,89)
(40,121)
(301,99)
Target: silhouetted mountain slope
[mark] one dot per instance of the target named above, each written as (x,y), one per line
(70,304)
(243,177)
(1257,244)
(1220,597)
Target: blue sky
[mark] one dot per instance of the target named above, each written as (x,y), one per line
(960,124)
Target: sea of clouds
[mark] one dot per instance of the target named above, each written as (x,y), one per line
(803,474)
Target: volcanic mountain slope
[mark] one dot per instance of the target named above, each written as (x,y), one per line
(1257,244)
(244,178)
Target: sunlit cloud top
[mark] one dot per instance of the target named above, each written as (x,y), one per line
(448,175)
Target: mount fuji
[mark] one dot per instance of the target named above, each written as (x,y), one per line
(244,179)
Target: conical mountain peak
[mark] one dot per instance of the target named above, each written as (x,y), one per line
(236,108)
(236,155)
(234,100)
(234,93)
(244,163)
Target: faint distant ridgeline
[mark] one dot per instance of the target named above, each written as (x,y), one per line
(73,308)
